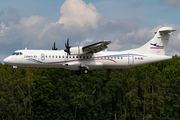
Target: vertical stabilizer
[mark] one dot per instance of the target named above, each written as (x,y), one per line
(158,44)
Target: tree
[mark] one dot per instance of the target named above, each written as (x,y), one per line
(42,98)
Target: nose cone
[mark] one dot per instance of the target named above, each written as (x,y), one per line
(6,60)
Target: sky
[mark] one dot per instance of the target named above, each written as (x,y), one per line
(36,24)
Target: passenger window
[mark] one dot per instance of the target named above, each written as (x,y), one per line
(63,56)
(59,56)
(53,56)
(56,56)
(118,57)
(73,56)
(121,57)
(79,56)
(69,56)
(114,57)
(46,56)
(49,56)
(76,56)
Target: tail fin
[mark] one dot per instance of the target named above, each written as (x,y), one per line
(158,44)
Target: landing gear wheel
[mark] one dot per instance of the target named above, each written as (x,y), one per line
(78,72)
(14,70)
(85,71)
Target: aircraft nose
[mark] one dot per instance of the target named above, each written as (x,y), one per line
(6,60)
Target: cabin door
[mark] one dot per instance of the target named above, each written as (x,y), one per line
(130,59)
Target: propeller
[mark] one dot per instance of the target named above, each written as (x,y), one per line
(54,48)
(67,47)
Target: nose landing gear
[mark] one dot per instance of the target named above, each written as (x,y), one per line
(14,68)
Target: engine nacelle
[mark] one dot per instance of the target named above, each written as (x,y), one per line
(76,51)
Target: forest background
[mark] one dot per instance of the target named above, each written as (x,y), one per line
(146,92)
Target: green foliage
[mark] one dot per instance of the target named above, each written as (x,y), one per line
(146,92)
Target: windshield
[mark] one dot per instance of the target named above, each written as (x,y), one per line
(17,53)
(14,53)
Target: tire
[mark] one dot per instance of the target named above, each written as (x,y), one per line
(14,70)
(78,72)
(85,71)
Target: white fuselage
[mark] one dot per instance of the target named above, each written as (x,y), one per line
(59,59)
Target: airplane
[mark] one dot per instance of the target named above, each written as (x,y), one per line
(85,58)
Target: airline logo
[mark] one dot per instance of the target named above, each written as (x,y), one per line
(155,46)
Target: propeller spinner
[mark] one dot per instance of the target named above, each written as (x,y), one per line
(67,47)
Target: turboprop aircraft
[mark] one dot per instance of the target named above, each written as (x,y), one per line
(92,57)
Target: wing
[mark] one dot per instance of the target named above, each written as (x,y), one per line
(96,47)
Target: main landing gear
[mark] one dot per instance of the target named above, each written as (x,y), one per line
(83,69)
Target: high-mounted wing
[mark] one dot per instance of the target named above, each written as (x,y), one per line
(96,47)
(89,49)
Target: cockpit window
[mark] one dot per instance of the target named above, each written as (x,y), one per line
(17,53)
(14,53)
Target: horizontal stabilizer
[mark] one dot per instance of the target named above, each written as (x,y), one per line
(166,30)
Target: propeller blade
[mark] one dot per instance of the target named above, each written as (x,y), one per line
(68,42)
(54,45)
(67,47)
(54,48)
